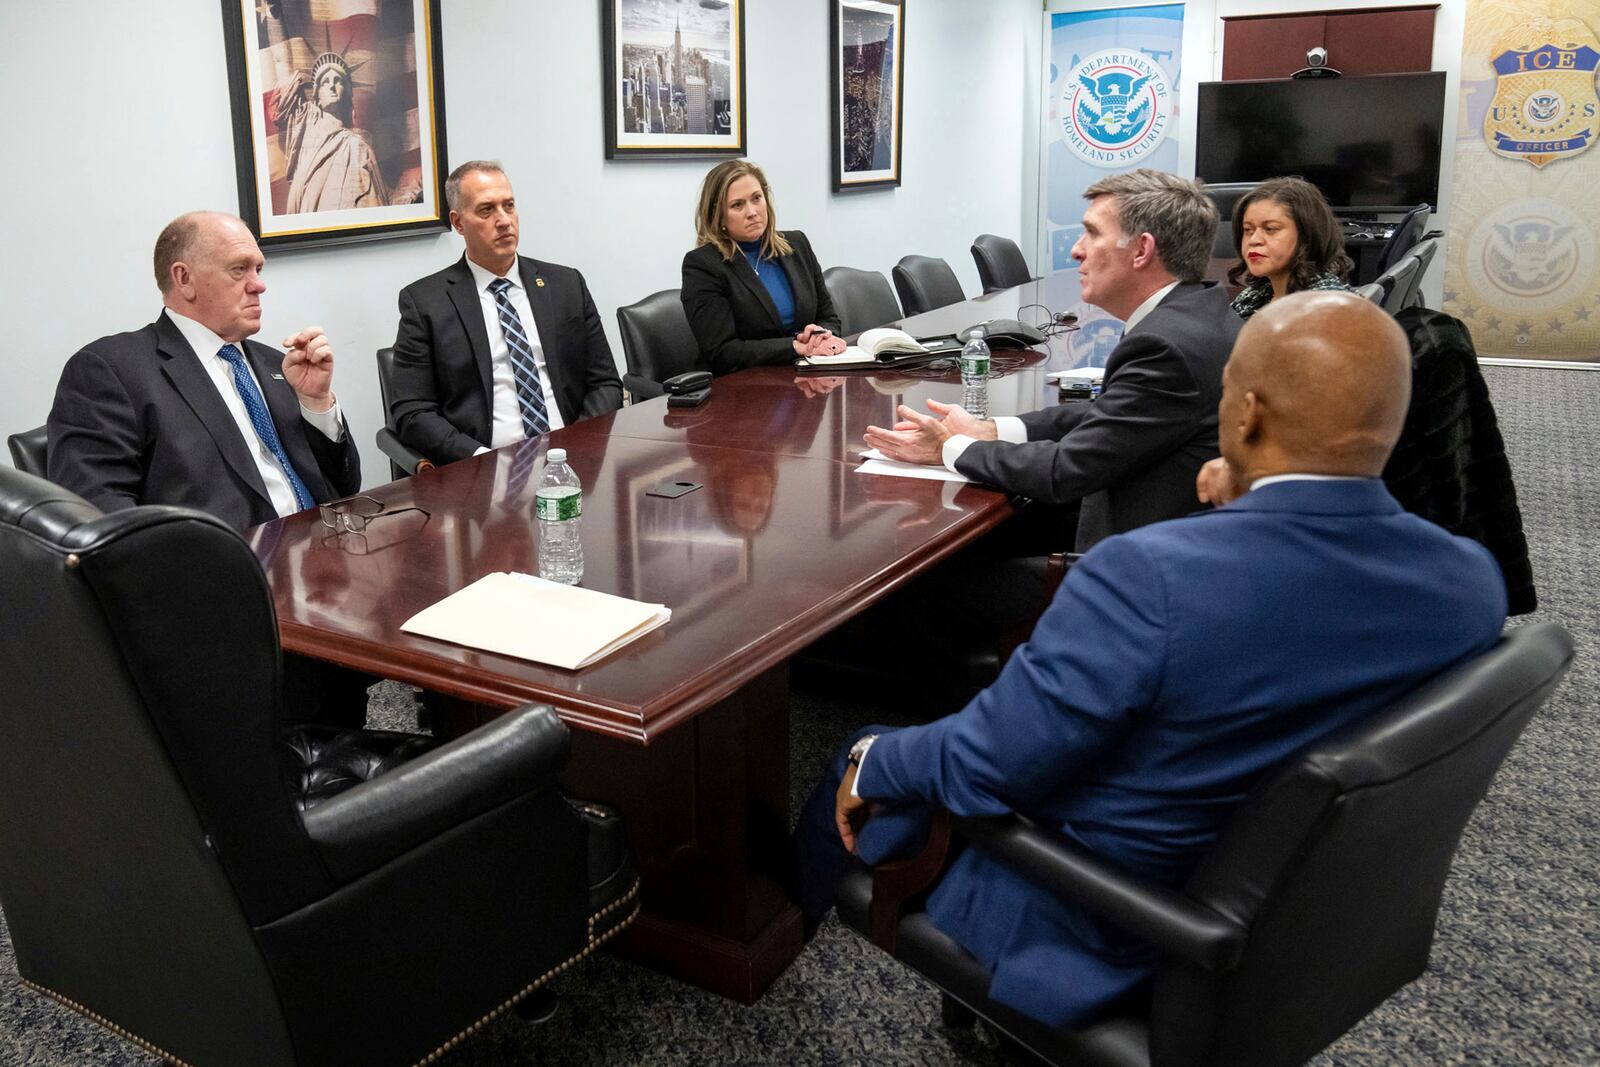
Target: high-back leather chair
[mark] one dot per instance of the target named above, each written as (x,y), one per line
(30,450)
(1373,292)
(1225,195)
(1423,252)
(1405,237)
(1000,262)
(657,343)
(184,865)
(403,459)
(925,283)
(862,298)
(1317,902)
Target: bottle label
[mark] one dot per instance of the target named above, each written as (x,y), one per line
(558,505)
(975,365)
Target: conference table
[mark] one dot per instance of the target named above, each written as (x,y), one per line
(686,729)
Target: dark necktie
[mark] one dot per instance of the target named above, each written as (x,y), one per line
(530,394)
(256,406)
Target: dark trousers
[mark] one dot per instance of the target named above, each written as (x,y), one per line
(818,861)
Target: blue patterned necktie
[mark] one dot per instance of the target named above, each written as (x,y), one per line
(530,394)
(262,421)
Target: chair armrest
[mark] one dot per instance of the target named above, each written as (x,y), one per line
(406,458)
(1165,918)
(895,881)
(373,822)
(641,388)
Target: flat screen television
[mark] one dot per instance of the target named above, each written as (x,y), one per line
(1371,141)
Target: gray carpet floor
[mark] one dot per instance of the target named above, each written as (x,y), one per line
(1515,973)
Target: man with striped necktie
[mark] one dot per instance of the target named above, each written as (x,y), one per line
(188,411)
(496,348)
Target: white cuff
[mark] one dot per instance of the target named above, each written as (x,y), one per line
(860,763)
(1010,428)
(481,450)
(954,445)
(329,422)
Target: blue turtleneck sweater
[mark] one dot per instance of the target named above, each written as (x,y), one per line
(775,278)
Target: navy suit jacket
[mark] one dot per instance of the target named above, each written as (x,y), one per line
(1133,454)
(1176,664)
(732,314)
(137,420)
(443,380)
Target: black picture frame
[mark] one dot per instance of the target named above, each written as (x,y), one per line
(707,100)
(372,164)
(862,134)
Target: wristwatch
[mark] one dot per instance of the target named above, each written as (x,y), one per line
(859,749)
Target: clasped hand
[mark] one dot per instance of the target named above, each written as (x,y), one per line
(815,341)
(308,367)
(920,438)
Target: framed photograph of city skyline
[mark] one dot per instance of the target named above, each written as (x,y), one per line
(674,77)
(338,118)
(868,59)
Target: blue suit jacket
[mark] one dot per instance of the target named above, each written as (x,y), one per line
(1177,663)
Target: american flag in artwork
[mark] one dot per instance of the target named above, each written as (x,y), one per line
(339,89)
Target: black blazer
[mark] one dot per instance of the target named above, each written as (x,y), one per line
(1133,454)
(443,381)
(137,420)
(732,314)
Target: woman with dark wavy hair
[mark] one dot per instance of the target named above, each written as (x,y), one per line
(1288,240)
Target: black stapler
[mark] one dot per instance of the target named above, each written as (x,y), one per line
(688,390)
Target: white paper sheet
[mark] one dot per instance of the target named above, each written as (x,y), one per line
(530,618)
(876,463)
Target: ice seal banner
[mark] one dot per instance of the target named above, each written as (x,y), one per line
(1521,270)
(1112,104)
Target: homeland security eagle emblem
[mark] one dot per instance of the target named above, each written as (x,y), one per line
(1544,105)
(1115,108)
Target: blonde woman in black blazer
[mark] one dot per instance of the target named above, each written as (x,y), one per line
(753,295)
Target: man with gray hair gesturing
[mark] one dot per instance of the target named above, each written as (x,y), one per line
(1131,457)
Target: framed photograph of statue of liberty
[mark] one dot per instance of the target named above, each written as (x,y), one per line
(674,77)
(338,118)
(869,62)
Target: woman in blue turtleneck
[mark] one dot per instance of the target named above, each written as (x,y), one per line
(753,295)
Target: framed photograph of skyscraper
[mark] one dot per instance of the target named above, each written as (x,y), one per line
(674,77)
(869,62)
(338,118)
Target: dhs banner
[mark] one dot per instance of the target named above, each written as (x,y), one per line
(1521,268)
(1111,101)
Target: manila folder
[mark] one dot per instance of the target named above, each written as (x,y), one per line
(534,619)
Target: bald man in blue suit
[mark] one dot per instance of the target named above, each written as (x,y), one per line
(1179,662)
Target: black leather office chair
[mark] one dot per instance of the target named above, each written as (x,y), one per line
(862,298)
(1405,236)
(925,283)
(183,864)
(1424,252)
(1318,901)
(403,459)
(1224,195)
(1000,262)
(1398,282)
(657,343)
(30,450)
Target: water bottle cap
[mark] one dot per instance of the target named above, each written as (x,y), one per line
(976,334)
(556,455)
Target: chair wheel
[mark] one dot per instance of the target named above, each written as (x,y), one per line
(537,1007)
(954,1014)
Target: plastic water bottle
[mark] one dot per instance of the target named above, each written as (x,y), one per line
(559,508)
(975,376)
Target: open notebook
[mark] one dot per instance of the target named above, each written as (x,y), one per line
(886,347)
(534,619)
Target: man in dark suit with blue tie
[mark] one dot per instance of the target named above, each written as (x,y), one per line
(1179,662)
(497,347)
(189,411)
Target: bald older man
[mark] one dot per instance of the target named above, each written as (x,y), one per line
(1179,662)
(188,411)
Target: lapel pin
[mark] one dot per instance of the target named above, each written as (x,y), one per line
(539,282)
(278,378)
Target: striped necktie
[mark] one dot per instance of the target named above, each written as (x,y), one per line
(256,406)
(530,394)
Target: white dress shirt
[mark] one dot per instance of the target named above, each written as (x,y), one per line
(1011,429)
(1257,484)
(206,345)
(504,407)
